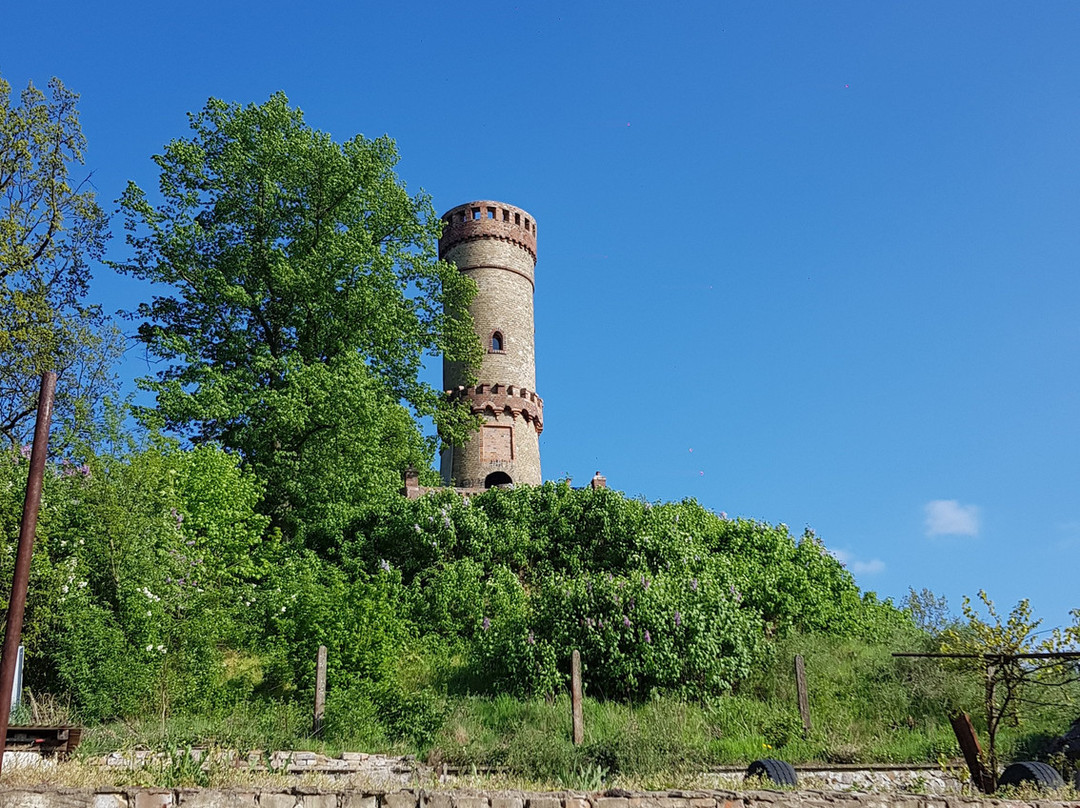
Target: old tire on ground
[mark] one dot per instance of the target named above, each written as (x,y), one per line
(775,771)
(1031,771)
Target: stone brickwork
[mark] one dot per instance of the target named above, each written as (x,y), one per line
(307,797)
(495,244)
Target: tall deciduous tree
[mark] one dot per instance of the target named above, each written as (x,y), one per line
(51,227)
(302,291)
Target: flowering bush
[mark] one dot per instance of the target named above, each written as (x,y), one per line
(136,570)
(156,586)
(657,598)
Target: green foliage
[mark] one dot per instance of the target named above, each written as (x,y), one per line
(134,578)
(862,698)
(928,611)
(305,603)
(658,599)
(303,291)
(51,227)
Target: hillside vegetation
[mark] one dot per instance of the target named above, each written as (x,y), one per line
(162,599)
(185,577)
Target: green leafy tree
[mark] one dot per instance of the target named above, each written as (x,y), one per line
(303,292)
(51,227)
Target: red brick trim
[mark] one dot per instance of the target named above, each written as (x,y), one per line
(503,398)
(509,224)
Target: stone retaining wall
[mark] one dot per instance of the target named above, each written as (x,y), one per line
(304,797)
(914,780)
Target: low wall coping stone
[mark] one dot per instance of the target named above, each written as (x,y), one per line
(214,798)
(269,799)
(302,796)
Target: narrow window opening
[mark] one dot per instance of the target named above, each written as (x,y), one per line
(526,225)
(506,215)
(491,213)
(476,213)
(497,341)
(517,218)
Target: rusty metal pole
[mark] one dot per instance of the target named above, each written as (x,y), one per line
(981,776)
(17,604)
(576,699)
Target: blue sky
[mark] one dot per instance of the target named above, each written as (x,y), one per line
(812,263)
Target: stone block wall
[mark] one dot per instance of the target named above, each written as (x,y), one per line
(307,797)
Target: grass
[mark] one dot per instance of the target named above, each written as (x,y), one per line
(531,737)
(867,707)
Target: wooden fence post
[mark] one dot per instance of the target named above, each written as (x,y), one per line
(575,698)
(320,693)
(804,698)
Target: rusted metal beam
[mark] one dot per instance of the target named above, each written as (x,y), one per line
(31,505)
(1033,655)
(981,777)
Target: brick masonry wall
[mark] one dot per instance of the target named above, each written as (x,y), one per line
(504,303)
(307,797)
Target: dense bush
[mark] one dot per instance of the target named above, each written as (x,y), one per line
(138,578)
(657,598)
(157,587)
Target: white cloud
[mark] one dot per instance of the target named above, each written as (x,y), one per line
(871,567)
(856,565)
(947,517)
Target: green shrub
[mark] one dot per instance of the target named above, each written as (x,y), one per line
(657,598)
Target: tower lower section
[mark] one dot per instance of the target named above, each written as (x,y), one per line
(506,449)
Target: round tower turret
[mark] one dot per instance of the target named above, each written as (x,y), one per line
(495,245)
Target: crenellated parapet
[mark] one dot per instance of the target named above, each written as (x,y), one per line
(509,399)
(488,220)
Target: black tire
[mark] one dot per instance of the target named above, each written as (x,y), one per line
(775,771)
(1031,771)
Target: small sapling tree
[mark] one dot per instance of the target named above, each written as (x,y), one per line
(1020,666)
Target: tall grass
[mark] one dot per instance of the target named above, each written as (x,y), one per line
(866,707)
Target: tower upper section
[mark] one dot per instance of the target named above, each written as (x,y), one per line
(488,219)
(495,245)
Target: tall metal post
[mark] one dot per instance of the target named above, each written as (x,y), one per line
(17,604)
(576,699)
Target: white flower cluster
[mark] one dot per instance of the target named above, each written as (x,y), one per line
(66,588)
(150,595)
(151,648)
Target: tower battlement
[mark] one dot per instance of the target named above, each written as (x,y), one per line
(487,219)
(493,399)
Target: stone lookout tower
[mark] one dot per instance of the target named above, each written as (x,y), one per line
(495,245)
